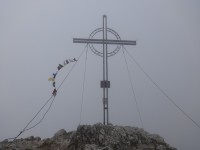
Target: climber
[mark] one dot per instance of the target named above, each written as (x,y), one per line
(59,66)
(54,84)
(54,75)
(74,59)
(54,92)
(67,61)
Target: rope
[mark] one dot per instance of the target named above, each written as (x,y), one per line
(134,95)
(25,128)
(162,91)
(83,87)
(14,138)
(72,68)
(43,116)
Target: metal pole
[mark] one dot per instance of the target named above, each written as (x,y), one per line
(104,69)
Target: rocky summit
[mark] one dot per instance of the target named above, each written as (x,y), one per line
(92,137)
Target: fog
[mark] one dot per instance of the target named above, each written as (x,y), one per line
(37,35)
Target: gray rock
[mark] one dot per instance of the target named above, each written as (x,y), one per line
(30,138)
(37,138)
(116,137)
(93,137)
(160,147)
(60,133)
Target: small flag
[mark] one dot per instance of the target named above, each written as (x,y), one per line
(51,79)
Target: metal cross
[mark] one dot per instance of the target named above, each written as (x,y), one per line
(105,84)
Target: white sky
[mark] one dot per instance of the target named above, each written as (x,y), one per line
(36,35)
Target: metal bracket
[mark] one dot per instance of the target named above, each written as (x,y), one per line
(105,101)
(105,84)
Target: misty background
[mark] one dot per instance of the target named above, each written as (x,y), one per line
(36,35)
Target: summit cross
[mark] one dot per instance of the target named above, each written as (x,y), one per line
(105,83)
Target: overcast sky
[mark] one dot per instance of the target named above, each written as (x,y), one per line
(36,35)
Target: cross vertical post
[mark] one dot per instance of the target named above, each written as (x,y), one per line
(105,73)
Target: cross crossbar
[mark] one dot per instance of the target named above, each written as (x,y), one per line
(101,41)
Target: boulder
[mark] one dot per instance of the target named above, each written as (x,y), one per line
(60,133)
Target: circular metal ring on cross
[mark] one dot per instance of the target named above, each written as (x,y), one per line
(95,51)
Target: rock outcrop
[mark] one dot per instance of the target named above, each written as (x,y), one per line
(92,137)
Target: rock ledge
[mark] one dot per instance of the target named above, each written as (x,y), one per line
(92,137)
